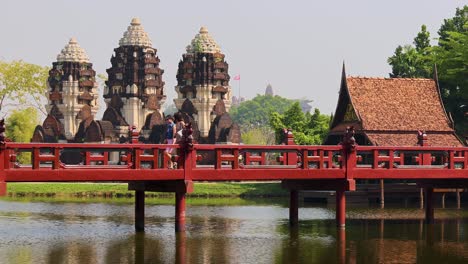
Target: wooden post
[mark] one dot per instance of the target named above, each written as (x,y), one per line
(341,245)
(458,199)
(180,212)
(3,159)
(181,248)
(340,208)
(140,248)
(421,198)
(140,211)
(293,207)
(382,194)
(443,200)
(429,205)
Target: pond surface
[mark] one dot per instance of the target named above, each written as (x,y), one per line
(51,232)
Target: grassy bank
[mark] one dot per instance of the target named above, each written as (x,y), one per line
(120,190)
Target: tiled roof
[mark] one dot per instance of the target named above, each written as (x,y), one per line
(398,104)
(410,139)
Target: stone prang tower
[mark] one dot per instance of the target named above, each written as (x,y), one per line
(71,94)
(203,90)
(134,91)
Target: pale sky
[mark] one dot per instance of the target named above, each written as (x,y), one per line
(297,46)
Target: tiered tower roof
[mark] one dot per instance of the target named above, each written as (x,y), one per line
(203,43)
(135,35)
(72,52)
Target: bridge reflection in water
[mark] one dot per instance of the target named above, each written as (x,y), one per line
(77,233)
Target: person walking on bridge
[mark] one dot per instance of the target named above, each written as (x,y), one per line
(170,136)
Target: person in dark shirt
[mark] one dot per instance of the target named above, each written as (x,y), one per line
(169,139)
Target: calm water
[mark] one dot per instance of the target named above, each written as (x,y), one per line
(50,232)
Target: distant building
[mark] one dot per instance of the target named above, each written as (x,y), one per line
(269,90)
(237,101)
(390,111)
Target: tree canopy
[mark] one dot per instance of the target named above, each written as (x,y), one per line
(20,127)
(22,84)
(451,57)
(308,129)
(256,112)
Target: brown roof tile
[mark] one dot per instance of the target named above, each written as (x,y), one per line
(408,139)
(398,104)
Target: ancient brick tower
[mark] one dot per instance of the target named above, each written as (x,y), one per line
(134,91)
(72,93)
(203,89)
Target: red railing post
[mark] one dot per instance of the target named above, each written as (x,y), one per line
(3,159)
(291,159)
(186,161)
(3,185)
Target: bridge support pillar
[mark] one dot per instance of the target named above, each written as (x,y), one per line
(340,208)
(180,212)
(140,211)
(293,207)
(3,188)
(429,205)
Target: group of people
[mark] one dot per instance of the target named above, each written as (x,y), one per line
(175,125)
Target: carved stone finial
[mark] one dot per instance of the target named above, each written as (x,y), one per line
(2,132)
(349,142)
(422,138)
(288,137)
(186,143)
(134,134)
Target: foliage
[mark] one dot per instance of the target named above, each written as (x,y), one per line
(121,190)
(21,83)
(422,41)
(256,112)
(455,24)
(20,127)
(259,136)
(308,129)
(170,109)
(451,58)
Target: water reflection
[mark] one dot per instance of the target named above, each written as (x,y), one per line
(103,233)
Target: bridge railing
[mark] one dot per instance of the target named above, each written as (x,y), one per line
(229,162)
(410,162)
(73,156)
(275,156)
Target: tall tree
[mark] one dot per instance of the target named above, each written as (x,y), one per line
(20,127)
(452,59)
(407,62)
(308,129)
(22,84)
(422,41)
(454,24)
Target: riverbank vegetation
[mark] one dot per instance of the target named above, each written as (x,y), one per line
(120,190)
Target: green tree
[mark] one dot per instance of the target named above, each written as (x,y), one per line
(452,61)
(407,62)
(422,41)
(308,129)
(259,136)
(20,127)
(450,56)
(22,84)
(256,112)
(454,24)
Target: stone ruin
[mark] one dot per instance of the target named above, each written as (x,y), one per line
(134,93)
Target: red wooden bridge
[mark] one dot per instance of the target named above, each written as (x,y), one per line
(144,167)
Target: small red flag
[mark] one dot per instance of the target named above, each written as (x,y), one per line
(237,77)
